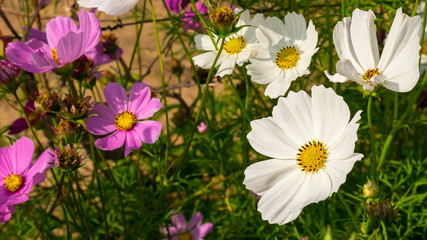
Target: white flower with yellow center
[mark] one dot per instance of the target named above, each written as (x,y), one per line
(284,53)
(237,47)
(311,143)
(357,47)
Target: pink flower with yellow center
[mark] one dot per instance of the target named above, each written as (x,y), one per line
(65,43)
(122,119)
(18,173)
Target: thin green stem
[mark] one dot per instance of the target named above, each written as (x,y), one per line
(101,195)
(159,51)
(27,120)
(372,133)
(353,219)
(78,204)
(242,106)
(29,208)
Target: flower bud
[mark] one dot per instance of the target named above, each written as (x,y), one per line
(75,107)
(48,102)
(380,211)
(8,73)
(65,129)
(177,68)
(223,19)
(83,68)
(370,189)
(109,41)
(67,159)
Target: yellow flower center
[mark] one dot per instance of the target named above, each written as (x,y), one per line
(185,236)
(287,57)
(311,156)
(13,182)
(370,73)
(125,121)
(55,55)
(234,45)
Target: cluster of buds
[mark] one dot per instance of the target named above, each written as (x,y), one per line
(48,101)
(381,211)
(223,19)
(67,159)
(75,107)
(8,72)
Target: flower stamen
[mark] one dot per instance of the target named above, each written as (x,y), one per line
(185,236)
(287,57)
(370,73)
(55,55)
(13,182)
(125,121)
(234,45)
(311,156)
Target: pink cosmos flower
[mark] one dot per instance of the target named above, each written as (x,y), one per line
(18,173)
(202,128)
(177,5)
(182,230)
(122,119)
(190,18)
(65,43)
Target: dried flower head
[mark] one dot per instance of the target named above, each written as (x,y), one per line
(48,101)
(75,107)
(222,18)
(67,159)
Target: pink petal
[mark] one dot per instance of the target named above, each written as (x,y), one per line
(18,126)
(195,220)
(21,154)
(149,131)
(103,123)
(133,141)
(57,28)
(116,97)
(6,213)
(111,142)
(139,96)
(200,232)
(89,25)
(70,47)
(38,171)
(179,221)
(21,54)
(148,110)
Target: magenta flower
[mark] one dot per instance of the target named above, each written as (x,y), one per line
(190,18)
(182,230)
(6,212)
(65,43)
(20,124)
(18,173)
(177,5)
(122,119)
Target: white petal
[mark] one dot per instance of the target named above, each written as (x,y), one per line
(399,61)
(279,86)
(227,65)
(330,114)
(261,176)
(344,45)
(311,39)
(364,38)
(270,32)
(111,7)
(295,27)
(338,169)
(336,77)
(343,146)
(205,60)
(269,139)
(346,69)
(293,115)
(204,42)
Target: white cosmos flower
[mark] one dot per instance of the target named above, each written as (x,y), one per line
(356,45)
(111,7)
(237,48)
(284,54)
(311,143)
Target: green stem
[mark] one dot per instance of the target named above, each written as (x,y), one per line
(372,133)
(233,87)
(101,195)
(353,219)
(72,88)
(27,120)
(29,208)
(78,204)
(116,186)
